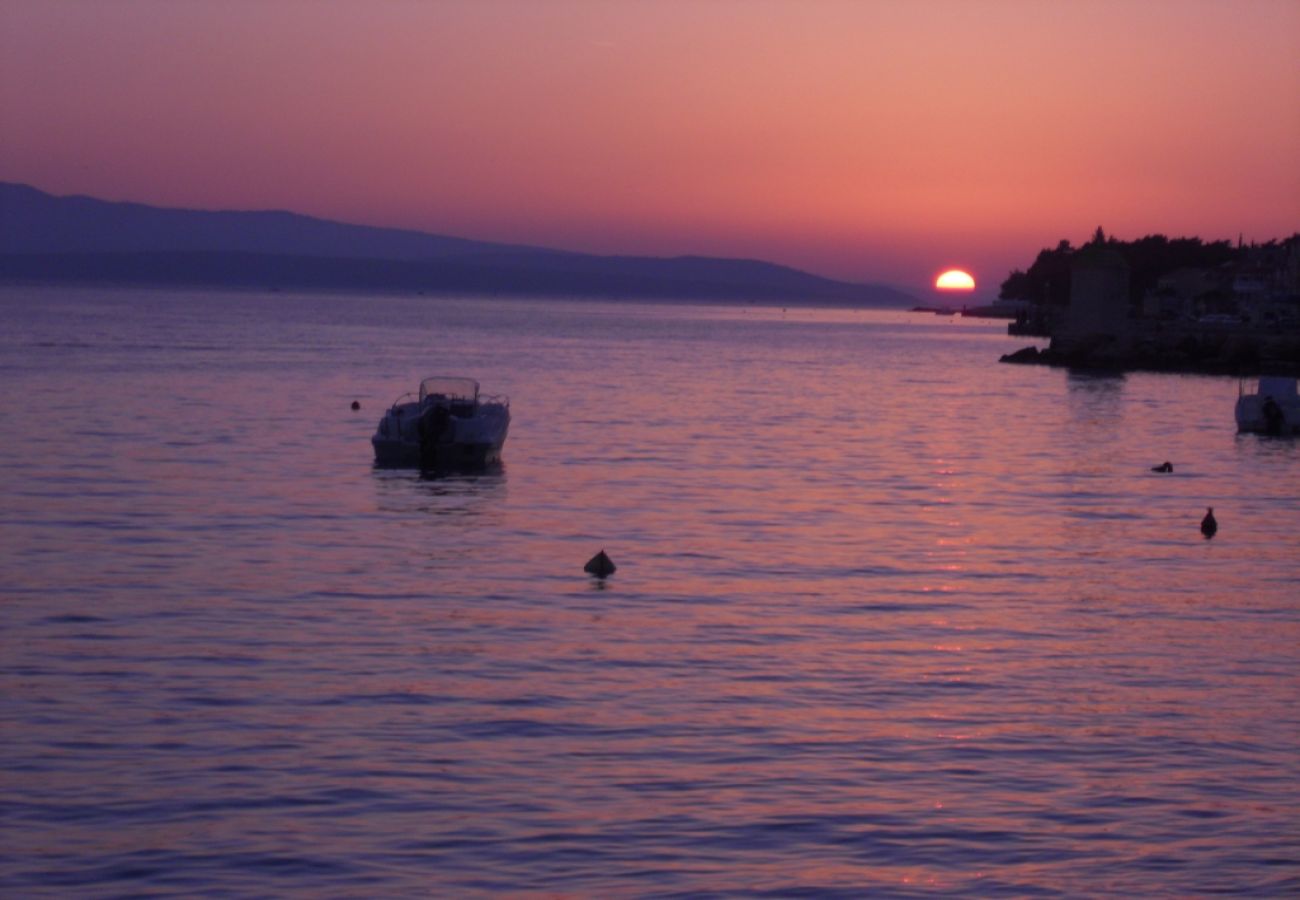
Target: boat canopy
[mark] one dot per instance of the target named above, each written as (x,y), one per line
(1277,386)
(449,388)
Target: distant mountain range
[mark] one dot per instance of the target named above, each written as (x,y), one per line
(44,238)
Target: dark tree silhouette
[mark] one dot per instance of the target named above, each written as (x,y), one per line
(1047,281)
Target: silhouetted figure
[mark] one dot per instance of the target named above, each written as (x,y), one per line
(1208,525)
(1165,466)
(356,405)
(600,565)
(1273,417)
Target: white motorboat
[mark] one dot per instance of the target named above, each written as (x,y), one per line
(448,425)
(1274,408)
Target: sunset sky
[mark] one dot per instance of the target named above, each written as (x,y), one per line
(864,140)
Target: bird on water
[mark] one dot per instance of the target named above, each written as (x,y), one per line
(1208,525)
(1165,466)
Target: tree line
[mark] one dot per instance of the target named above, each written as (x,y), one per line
(1047,281)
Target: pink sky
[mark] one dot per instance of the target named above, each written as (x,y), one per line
(862,140)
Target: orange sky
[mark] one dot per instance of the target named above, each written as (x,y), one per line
(863,140)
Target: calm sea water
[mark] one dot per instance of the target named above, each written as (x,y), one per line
(890,619)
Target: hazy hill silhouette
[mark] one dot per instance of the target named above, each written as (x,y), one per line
(82,239)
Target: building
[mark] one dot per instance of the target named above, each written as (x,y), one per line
(1099,294)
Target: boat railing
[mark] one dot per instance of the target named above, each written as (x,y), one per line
(454,403)
(408,397)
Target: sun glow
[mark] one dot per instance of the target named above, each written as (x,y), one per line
(955,280)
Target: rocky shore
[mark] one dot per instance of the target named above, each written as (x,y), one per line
(1201,351)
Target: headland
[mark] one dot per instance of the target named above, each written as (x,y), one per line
(1161,305)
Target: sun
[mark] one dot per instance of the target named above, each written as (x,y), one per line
(955,280)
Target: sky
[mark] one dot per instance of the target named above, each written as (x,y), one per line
(871,141)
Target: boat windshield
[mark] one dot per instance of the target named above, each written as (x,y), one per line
(450,389)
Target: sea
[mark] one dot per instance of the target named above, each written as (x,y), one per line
(890,619)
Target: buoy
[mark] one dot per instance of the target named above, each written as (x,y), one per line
(1208,525)
(356,404)
(600,565)
(1165,466)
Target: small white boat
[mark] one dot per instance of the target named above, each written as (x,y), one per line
(1274,408)
(448,425)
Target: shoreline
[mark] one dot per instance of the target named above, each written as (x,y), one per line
(737,300)
(1195,351)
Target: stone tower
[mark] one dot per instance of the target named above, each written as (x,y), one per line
(1099,305)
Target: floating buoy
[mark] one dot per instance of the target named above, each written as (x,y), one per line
(1209,525)
(600,565)
(356,404)
(1165,466)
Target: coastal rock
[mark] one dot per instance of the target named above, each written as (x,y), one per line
(1023,355)
(1171,351)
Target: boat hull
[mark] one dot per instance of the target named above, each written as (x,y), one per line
(393,454)
(1252,418)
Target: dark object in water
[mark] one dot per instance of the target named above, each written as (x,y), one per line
(450,427)
(356,404)
(1273,409)
(1165,466)
(600,565)
(1209,525)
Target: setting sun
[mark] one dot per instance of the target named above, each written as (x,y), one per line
(955,280)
